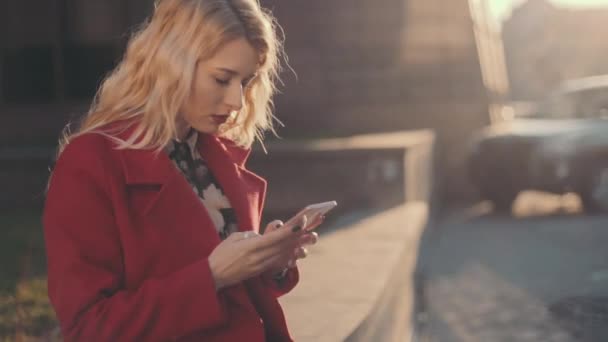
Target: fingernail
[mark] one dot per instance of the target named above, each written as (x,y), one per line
(277,225)
(296,229)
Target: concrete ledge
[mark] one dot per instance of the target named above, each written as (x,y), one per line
(356,284)
(393,140)
(364,171)
(348,289)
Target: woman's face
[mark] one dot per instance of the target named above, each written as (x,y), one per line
(218,88)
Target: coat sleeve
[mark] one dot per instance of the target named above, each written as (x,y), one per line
(291,279)
(85,270)
(283,286)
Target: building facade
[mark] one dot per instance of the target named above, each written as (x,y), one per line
(546,45)
(360,67)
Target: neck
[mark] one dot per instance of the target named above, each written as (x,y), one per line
(182,129)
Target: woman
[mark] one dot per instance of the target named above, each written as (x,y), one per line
(151,218)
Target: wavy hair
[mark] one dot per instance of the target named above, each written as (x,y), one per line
(149,86)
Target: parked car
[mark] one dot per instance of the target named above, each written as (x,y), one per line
(561,147)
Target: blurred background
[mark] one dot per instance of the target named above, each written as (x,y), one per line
(512,92)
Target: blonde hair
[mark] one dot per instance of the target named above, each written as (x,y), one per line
(151,83)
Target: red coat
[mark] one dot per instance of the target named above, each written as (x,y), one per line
(127,243)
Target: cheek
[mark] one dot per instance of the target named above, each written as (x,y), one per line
(207,94)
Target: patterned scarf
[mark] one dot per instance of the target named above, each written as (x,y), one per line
(186,158)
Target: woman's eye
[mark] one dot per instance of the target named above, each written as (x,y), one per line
(221,81)
(246,83)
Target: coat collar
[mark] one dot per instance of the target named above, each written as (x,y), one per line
(155,167)
(244,189)
(225,159)
(239,155)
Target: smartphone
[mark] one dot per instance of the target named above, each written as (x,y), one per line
(312,211)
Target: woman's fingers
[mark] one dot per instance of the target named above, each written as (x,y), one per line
(296,246)
(276,236)
(299,225)
(301,253)
(284,259)
(261,249)
(309,239)
(242,235)
(274,225)
(317,221)
(276,261)
(277,248)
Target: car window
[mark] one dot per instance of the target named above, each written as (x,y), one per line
(557,106)
(593,103)
(585,103)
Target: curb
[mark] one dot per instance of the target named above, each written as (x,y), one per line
(356,283)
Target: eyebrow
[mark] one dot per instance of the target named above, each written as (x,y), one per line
(233,73)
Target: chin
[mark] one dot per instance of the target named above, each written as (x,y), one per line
(207,129)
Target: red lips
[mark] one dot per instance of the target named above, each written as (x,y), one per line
(219,119)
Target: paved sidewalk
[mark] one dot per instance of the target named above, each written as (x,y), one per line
(495,278)
(347,272)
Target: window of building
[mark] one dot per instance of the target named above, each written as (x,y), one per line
(27,74)
(60,50)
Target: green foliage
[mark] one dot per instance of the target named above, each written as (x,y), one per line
(25,311)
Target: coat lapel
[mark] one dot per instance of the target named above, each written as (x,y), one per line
(172,204)
(244,190)
(175,199)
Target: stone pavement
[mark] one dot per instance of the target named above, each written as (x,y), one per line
(345,279)
(479,305)
(491,278)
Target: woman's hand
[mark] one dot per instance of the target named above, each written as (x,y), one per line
(246,254)
(300,252)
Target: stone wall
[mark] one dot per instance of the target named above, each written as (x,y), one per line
(359,172)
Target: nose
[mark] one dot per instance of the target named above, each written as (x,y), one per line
(234,97)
